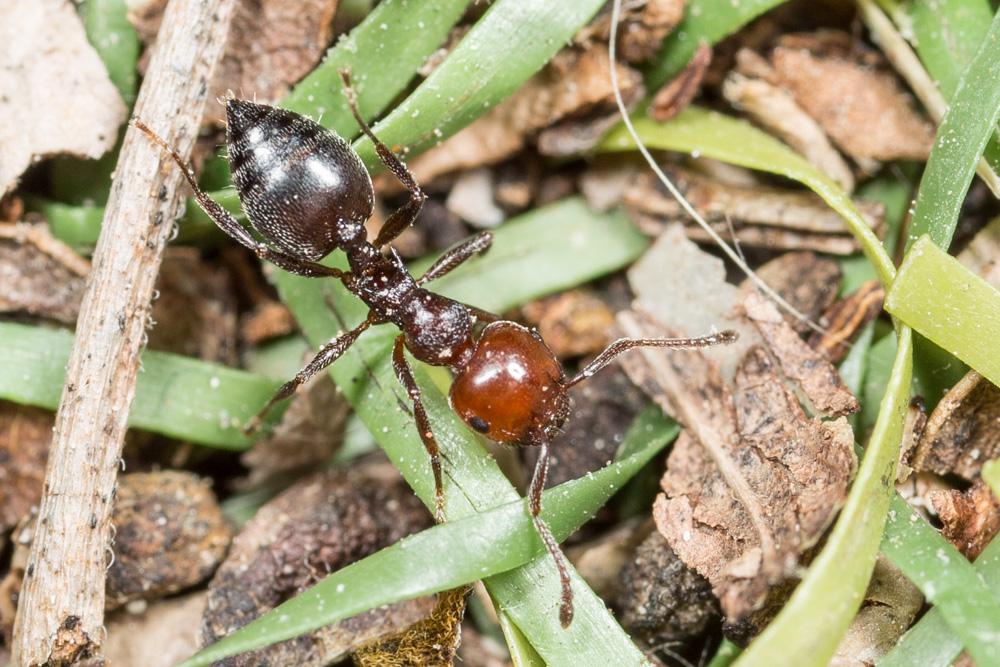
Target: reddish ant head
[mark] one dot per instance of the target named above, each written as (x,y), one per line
(303,187)
(512,387)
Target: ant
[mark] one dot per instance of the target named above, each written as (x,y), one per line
(307,193)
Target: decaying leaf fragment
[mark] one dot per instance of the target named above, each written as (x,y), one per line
(573,323)
(317,526)
(753,482)
(759,216)
(970,518)
(25,434)
(676,94)
(845,318)
(961,433)
(642,27)
(55,94)
(40,274)
(809,282)
(162,635)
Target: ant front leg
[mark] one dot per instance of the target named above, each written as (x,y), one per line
(451,259)
(535,507)
(327,354)
(232,228)
(405,376)
(404,216)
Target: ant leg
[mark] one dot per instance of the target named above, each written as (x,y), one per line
(327,354)
(404,216)
(625,344)
(535,505)
(447,262)
(232,228)
(405,376)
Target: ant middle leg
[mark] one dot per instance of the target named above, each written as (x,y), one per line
(404,216)
(224,220)
(327,354)
(624,344)
(535,507)
(405,376)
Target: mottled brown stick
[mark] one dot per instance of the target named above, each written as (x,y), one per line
(61,608)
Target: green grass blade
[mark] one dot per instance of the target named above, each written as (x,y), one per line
(177,396)
(947,303)
(440,558)
(710,134)
(970,122)
(116,42)
(511,42)
(705,21)
(948,581)
(991,475)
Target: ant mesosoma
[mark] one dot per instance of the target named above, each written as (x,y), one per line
(307,193)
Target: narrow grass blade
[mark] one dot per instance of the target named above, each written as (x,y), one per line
(512,41)
(966,602)
(991,475)
(970,122)
(177,396)
(705,21)
(439,558)
(947,303)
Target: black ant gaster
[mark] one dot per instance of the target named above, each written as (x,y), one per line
(307,193)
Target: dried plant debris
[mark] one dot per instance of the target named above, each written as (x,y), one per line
(25,434)
(845,318)
(970,518)
(600,560)
(471,198)
(603,410)
(310,432)
(170,534)
(431,641)
(804,279)
(675,95)
(479,650)
(272,44)
(10,586)
(573,323)
(961,433)
(40,275)
(859,104)
(662,599)
(890,606)
(161,635)
(195,309)
(317,526)
(982,254)
(753,482)
(643,26)
(575,82)
(46,57)
(758,216)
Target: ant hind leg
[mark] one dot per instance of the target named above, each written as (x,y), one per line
(535,506)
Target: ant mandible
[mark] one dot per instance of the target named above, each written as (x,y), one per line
(307,193)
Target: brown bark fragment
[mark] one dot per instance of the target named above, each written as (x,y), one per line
(163,635)
(676,94)
(40,275)
(573,323)
(46,57)
(844,319)
(961,433)
(804,279)
(25,434)
(971,518)
(641,29)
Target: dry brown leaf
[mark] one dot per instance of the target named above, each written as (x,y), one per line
(970,518)
(170,534)
(863,110)
(310,432)
(431,641)
(804,279)
(272,44)
(891,603)
(55,94)
(961,433)
(661,599)
(752,482)
(162,635)
(25,434)
(573,323)
(319,525)
(674,96)
(642,27)
(40,274)
(845,318)
(759,216)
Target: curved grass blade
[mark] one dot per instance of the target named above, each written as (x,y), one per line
(967,127)
(705,21)
(511,42)
(443,557)
(177,396)
(810,626)
(948,581)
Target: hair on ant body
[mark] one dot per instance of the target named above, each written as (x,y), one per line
(307,193)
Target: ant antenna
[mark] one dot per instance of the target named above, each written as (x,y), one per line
(616,7)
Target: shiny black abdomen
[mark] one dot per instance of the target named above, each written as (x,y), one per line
(300,184)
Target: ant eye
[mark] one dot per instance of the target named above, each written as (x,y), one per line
(479,424)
